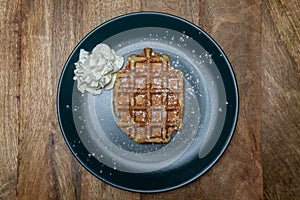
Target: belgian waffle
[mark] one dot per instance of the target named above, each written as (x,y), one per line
(148,97)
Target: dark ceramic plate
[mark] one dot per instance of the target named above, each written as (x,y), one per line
(210,114)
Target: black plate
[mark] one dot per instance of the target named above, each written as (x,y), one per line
(211,107)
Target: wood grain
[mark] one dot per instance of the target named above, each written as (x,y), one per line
(261,39)
(10,96)
(281,92)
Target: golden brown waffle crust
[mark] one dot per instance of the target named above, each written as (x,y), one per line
(148,98)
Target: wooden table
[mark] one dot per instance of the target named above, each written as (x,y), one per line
(261,39)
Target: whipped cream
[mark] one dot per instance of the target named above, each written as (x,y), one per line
(98,69)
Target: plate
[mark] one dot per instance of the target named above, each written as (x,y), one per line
(210,107)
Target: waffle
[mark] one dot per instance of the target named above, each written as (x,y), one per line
(148,98)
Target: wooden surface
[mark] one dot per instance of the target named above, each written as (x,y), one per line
(260,38)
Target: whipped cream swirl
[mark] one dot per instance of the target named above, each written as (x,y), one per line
(98,69)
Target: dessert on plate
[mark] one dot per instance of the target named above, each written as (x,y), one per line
(148,97)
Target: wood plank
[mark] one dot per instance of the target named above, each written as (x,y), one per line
(90,14)
(236,27)
(187,9)
(10,38)
(281,93)
(37,176)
